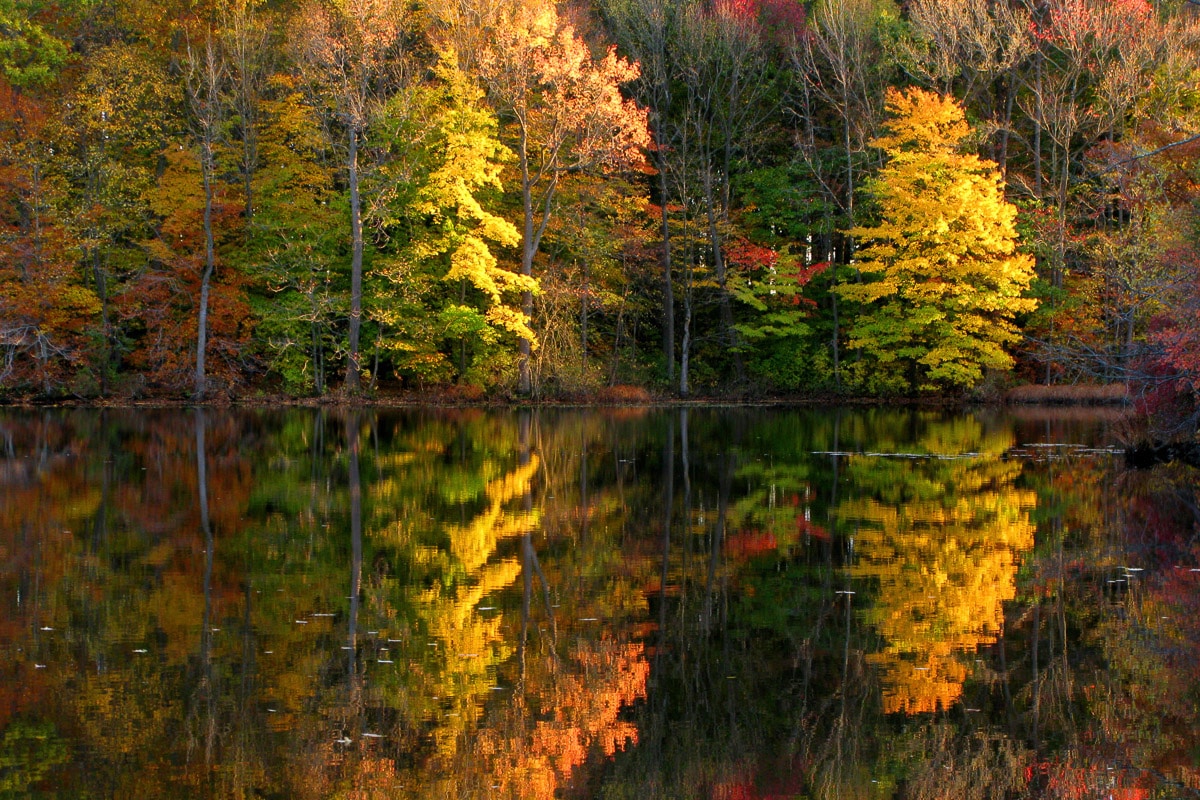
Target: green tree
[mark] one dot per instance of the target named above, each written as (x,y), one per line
(297,251)
(30,54)
(942,278)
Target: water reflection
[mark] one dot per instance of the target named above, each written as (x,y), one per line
(938,530)
(686,603)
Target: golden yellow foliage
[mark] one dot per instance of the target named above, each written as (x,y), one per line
(940,538)
(943,279)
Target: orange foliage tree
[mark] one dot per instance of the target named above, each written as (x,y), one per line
(567,116)
(45,314)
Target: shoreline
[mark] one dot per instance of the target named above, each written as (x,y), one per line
(635,397)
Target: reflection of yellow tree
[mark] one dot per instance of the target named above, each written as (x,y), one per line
(940,534)
(527,739)
(457,676)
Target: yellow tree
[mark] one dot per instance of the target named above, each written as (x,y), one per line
(447,161)
(942,278)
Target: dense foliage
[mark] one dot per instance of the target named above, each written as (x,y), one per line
(238,197)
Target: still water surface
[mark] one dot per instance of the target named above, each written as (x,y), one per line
(707,603)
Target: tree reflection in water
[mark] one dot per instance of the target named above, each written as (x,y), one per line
(685,603)
(938,534)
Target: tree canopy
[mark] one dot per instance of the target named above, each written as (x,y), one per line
(760,197)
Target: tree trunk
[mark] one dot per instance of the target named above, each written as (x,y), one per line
(728,332)
(668,288)
(525,379)
(583,322)
(687,343)
(353,372)
(206,171)
(101,279)
(1037,131)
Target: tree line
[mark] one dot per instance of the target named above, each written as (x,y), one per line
(260,197)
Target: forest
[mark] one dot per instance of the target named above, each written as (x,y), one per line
(238,199)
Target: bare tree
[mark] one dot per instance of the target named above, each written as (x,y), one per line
(838,64)
(245,41)
(976,47)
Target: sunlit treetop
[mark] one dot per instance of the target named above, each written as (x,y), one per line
(922,122)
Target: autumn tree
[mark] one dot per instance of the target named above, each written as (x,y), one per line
(296,238)
(1087,100)
(108,135)
(46,314)
(445,286)
(942,279)
(31,52)
(42,308)
(567,116)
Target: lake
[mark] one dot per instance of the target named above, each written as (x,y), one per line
(622,603)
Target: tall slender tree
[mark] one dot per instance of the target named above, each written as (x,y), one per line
(352,50)
(206,76)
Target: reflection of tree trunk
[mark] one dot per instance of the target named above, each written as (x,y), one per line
(355,480)
(353,725)
(844,689)
(206,625)
(526,602)
(1008,702)
(668,512)
(1065,669)
(656,736)
(100,520)
(687,486)
(244,707)
(523,455)
(583,491)
(1037,685)
(714,556)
